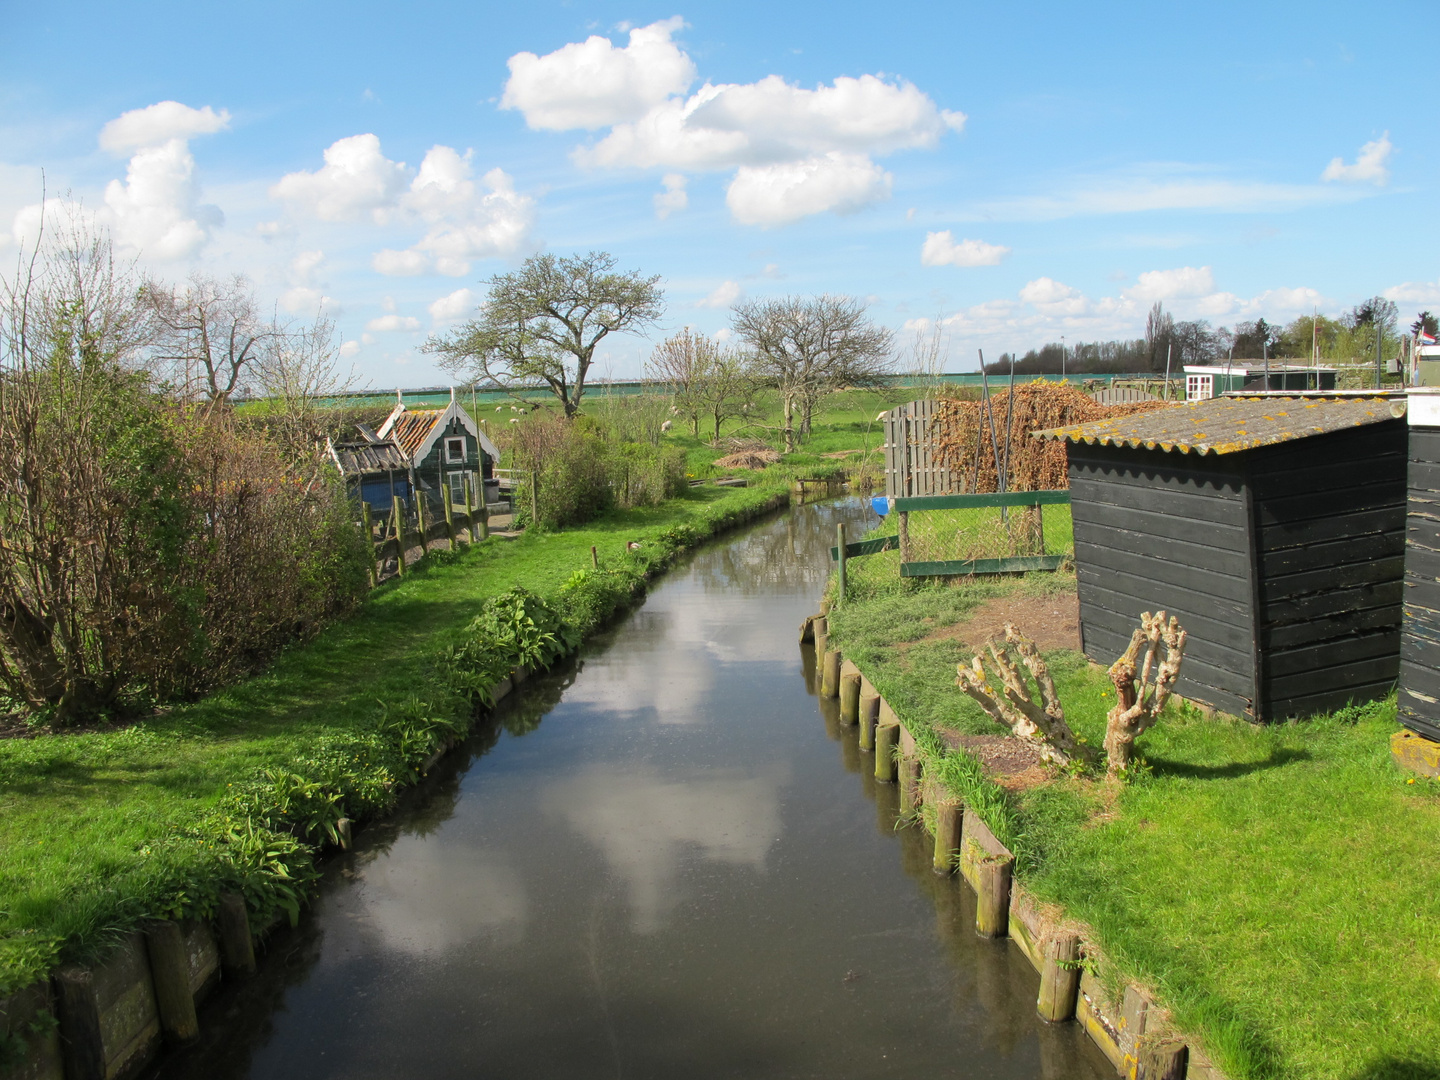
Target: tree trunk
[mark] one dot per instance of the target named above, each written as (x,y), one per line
(791,443)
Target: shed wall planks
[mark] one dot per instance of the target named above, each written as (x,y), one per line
(1419,697)
(1284,563)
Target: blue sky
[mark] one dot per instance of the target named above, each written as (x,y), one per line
(1018,174)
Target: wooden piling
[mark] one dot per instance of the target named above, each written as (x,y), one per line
(170,972)
(992,904)
(369,527)
(807,629)
(534,497)
(469,512)
(484,512)
(869,714)
(830,674)
(344,829)
(397,509)
(237,944)
(886,739)
(840,543)
(820,631)
(910,773)
(948,818)
(594,557)
(850,698)
(420,521)
(1161,1059)
(1059,977)
(82,1045)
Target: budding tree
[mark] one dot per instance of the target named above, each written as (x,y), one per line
(806,347)
(209,334)
(543,322)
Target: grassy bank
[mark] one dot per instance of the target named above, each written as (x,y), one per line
(1276,886)
(100,830)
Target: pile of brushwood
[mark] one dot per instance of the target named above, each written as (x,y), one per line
(981,441)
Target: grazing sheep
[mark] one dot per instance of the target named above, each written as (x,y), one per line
(666,425)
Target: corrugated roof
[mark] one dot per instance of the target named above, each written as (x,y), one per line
(362,459)
(413,427)
(1228,425)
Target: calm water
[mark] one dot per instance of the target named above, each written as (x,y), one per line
(664,861)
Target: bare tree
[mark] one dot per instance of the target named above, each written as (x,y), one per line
(542,323)
(210,333)
(297,369)
(705,378)
(807,347)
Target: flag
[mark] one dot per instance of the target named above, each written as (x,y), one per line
(1426,338)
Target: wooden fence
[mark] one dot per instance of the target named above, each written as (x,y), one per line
(424,523)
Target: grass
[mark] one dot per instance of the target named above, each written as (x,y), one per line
(81,815)
(1276,886)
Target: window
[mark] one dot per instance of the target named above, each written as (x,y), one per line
(454,451)
(457,487)
(1199,387)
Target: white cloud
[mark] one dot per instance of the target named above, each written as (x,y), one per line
(304,266)
(400,263)
(1414,292)
(769,195)
(386,323)
(1370,165)
(1186,282)
(453,306)
(1161,189)
(157,124)
(725,294)
(673,198)
(1054,297)
(798,151)
(940,249)
(591,84)
(304,300)
(357,179)
(466,221)
(349,349)
(156,209)
(723,335)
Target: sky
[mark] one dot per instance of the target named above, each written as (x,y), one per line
(1014,174)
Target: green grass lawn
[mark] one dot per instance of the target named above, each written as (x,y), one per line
(80,814)
(1277,886)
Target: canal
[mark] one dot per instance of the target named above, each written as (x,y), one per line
(663,860)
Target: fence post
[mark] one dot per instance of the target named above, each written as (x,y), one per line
(902,519)
(840,541)
(398,510)
(448,503)
(469,512)
(535,496)
(369,527)
(420,521)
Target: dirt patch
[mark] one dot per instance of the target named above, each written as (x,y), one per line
(1012,763)
(1052,622)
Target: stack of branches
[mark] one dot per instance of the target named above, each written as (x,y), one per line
(979,441)
(748,459)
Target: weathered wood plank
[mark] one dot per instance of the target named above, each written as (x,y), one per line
(1381,669)
(1227,536)
(1321,504)
(1380,570)
(1315,656)
(866,547)
(1288,534)
(1303,608)
(1202,556)
(1321,555)
(1157,576)
(1121,612)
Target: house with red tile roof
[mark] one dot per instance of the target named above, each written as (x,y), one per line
(445,448)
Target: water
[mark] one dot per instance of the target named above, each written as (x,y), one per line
(684,871)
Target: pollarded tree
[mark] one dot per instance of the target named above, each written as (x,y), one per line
(806,347)
(542,323)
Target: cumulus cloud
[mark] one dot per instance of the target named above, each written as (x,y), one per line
(1054,297)
(156,210)
(305,300)
(940,249)
(798,151)
(453,306)
(356,180)
(1369,168)
(673,198)
(770,195)
(591,84)
(465,221)
(725,294)
(1186,282)
(157,124)
(382,324)
(1414,292)
(349,349)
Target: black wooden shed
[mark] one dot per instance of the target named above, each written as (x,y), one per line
(1419,697)
(1274,528)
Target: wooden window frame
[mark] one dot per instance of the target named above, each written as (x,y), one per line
(451,459)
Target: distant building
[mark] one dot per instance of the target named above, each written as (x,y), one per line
(444,448)
(1204,381)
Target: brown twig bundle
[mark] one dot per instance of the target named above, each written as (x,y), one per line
(960,434)
(748,459)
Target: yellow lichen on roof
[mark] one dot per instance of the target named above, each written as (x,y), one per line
(1228,425)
